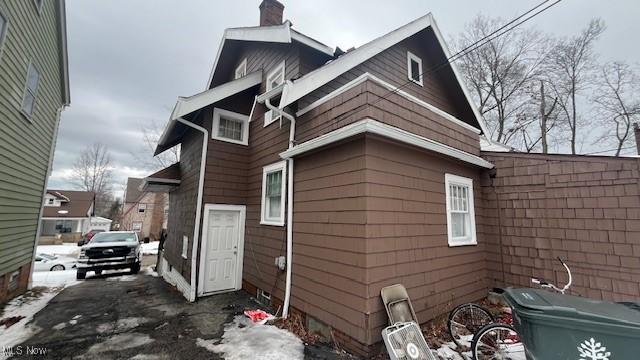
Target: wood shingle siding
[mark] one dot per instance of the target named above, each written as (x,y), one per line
(182,204)
(25,143)
(585,209)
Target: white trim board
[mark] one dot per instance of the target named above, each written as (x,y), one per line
(371,126)
(187,105)
(242,209)
(367,76)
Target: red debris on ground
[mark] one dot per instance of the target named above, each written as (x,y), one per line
(257,315)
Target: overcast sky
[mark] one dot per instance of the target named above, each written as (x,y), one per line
(131,59)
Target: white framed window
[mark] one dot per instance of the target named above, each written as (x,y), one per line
(274,79)
(142,207)
(273,191)
(4,26)
(30,91)
(136,226)
(13,280)
(230,127)
(241,70)
(461,220)
(414,68)
(185,246)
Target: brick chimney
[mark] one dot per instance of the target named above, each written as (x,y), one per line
(636,132)
(271,12)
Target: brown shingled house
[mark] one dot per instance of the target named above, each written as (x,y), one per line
(144,211)
(314,178)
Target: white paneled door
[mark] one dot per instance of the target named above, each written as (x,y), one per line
(223,237)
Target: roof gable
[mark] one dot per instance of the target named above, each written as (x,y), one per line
(308,83)
(79,204)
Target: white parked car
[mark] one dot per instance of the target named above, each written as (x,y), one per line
(46,262)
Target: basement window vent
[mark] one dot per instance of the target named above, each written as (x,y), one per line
(13,280)
(263,297)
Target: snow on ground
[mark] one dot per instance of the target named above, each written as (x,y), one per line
(150,248)
(149,271)
(64,249)
(26,305)
(121,278)
(55,278)
(242,339)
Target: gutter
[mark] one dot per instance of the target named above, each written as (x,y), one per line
(196,225)
(266,99)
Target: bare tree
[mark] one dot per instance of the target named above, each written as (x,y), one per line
(617,100)
(542,117)
(150,136)
(92,171)
(573,61)
(499,72)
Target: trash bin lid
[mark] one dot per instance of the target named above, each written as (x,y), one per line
(575,307)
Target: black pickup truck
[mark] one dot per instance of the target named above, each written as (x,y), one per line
(110,250)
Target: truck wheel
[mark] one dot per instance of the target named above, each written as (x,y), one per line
(80,275)
(98,272)
(135,268)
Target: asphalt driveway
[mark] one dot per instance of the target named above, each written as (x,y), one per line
(136,317)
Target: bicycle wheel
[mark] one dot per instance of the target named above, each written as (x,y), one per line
(465,320)
(497,341)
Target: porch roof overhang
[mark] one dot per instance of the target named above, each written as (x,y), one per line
(163,180)
(371,126)
(185,106)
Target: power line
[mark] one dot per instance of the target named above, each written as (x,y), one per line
(614,149)
(474,46)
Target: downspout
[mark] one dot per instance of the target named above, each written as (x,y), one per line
(292,132)
(196,225)
(44,191)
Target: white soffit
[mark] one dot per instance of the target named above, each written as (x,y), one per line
(371,126)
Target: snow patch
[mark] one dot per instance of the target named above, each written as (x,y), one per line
(26,305)
(242,339)
(121,342)
(64,278)
(60,326)
(150,248)
(149,271)
(121,325)
(122,278)
(64,249)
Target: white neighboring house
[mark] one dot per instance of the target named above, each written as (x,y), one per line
(67,215)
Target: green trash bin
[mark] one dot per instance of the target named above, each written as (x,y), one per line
(556,326)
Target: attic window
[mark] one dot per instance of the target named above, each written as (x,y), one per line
(414,68)
(241,70)
(142,207)
(230,127)
(274,79)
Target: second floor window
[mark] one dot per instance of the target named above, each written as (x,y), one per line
(142,208)
(274,79)
(31,90)
(230,127)
(414,68)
